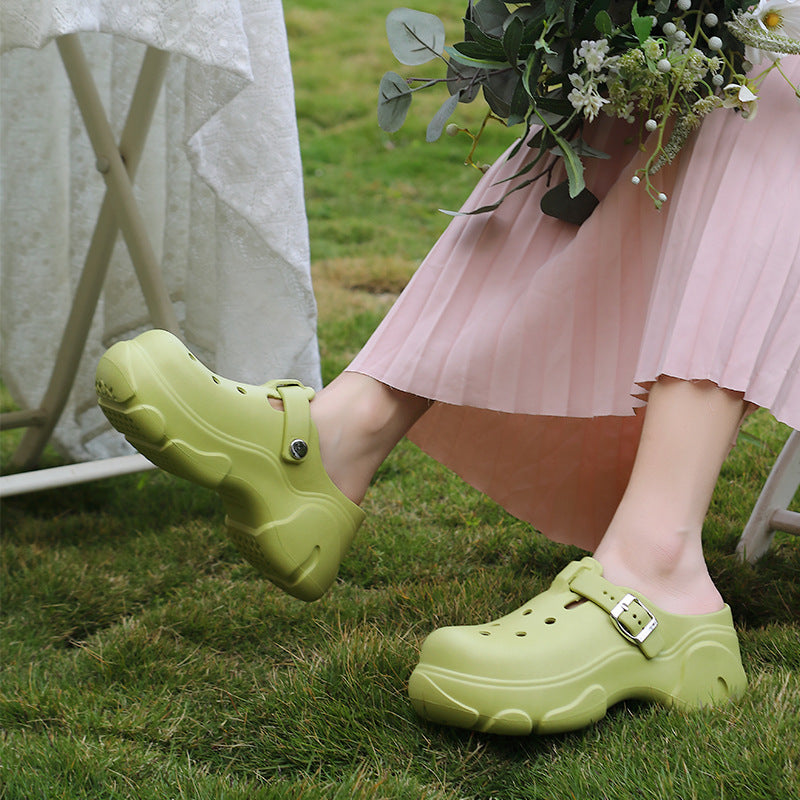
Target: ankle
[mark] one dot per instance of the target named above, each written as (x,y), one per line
(359,421)
(675,579)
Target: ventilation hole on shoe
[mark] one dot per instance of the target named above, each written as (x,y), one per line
(484,633)
(495,625)
(527,611)
(574,603)
(549,620)
(215,379)
(191,355)
(241,390)
(522,633)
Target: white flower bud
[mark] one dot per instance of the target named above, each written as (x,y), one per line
(664,65)
(451,129)
(650,125)
(684,5)
(712,20)
(715,43)
(662,197)
(718,80)
(669,28)
(636,180)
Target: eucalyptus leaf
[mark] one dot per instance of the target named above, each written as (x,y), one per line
(491,16)
(560,203)
(394,99)
(415,37)
(436,125)
(464,81)
(499,89)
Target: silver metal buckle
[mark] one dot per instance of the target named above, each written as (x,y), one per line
(621,607)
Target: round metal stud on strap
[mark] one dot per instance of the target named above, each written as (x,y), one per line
(298,449)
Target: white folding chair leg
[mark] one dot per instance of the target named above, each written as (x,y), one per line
(111,165)
(43,420)
(119,212)
(770,512)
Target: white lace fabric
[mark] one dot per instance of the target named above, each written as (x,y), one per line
(219,184)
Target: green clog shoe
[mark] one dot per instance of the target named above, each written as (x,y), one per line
(283,511)
(559,662)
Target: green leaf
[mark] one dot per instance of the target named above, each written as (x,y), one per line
(582,149)
(414,36)
(603,23)
(394,98)
(560,203)
(587,23)
(480,63)
(533,69)
(473,49)
(512,39)
(568,7)
(573,164)
(520,105)
(493,45)
(436,125)
(642,26)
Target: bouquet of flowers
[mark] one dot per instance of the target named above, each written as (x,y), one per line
(662,65)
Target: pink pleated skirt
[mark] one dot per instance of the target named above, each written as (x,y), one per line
(538,340)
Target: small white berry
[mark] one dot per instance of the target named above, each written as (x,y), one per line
(662,198)
(650,125)
(451,129)
(635,180)
(715,43)
(684,5)
(669,28)
(664,65)
(712,20)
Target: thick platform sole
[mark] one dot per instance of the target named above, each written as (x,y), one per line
(294,535)
(697,675)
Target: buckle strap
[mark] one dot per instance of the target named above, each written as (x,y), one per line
(296,417)
(630,616)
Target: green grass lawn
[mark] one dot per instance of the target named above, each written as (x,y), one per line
(142,658)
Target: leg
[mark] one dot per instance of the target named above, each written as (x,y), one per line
(360,420)
(289,471)
(654,540)
(591,640)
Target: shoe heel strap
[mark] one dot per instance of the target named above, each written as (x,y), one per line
(296,417)
(629,615)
